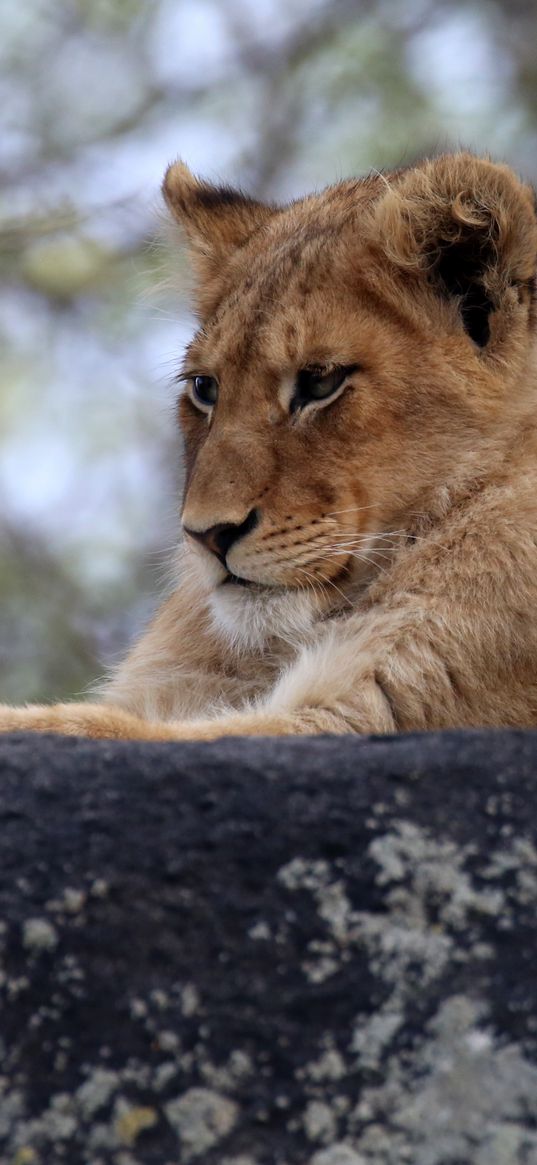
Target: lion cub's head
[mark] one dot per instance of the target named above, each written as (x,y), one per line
(358,351)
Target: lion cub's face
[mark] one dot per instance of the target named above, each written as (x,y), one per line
(354,348)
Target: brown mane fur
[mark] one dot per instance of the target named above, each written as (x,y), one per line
(366,562)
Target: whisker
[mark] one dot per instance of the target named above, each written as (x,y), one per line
(338,551)
(360,556)
(352,510)
(330,582)
(365,545)
(324,583)
(372,535)
(311,581)
(342,547)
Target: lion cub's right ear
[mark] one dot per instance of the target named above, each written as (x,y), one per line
(468,226)
(216,220)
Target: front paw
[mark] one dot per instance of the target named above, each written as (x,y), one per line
(68,720)
(19,719)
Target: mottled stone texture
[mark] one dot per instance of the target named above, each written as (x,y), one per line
(292,952)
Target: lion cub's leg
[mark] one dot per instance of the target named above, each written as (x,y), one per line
(92,720)
(314,696)
(97,722)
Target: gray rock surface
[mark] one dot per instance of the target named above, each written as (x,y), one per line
(292,952)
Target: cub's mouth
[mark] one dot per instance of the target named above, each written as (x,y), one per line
(238,581)
(232,579)
(250,585)
(262,588)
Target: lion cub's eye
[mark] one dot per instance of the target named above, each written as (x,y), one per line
(318,384)
(205,390)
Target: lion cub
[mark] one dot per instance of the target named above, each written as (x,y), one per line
(359,410)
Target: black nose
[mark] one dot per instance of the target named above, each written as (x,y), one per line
(220,538)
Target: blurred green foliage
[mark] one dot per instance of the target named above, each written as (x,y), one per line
(97,96)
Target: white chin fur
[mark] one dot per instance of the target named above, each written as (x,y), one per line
(247,619)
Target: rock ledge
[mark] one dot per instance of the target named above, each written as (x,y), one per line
(290,952)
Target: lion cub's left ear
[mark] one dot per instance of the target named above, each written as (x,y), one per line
(469,227)
(216,220)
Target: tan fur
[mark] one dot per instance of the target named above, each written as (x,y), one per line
(393,566)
